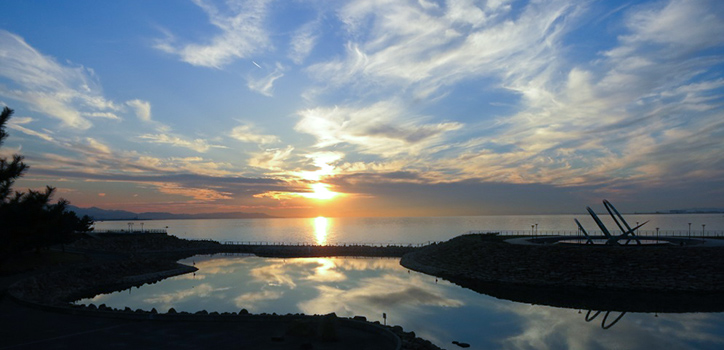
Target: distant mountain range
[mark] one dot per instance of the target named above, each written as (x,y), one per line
(99,214)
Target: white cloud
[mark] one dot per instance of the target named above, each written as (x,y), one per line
(672,25)
(242,34)
(271,159)
(97,145)
(324,162)
(382,129)
(141,108)
(106,115)
(247,133)
(466,12)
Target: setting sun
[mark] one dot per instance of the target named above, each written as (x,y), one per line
(321,191)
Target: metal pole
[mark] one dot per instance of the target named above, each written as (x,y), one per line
(689,231)
(702,232)
(657,235)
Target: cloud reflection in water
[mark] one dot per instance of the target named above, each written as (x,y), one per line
(436,310)
(545,327)
(373,296)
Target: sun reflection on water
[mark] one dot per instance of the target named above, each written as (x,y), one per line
(320,230)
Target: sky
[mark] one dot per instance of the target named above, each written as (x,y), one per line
(307,108)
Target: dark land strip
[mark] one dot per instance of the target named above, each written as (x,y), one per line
(612,278)
(645,279)
(38,313)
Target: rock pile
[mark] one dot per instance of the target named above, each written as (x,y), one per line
(640,268)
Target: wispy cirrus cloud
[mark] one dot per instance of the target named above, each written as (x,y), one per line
(623,116)
(200,194)
(265,85)
(242,33)
(17,124)
(198,145)
(303,41)
(70,94)
(410,45)
(629,114)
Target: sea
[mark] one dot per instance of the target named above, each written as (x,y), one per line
(411,230)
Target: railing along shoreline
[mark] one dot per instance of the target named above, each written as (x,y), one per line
(508,233)
(642,233)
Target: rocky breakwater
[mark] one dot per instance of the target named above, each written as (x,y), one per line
(115,262)
(157,244)
(630,278)
(58,288)
(137,260)
(292,251)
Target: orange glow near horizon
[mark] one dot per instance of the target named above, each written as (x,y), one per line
(318,191)
(320,230)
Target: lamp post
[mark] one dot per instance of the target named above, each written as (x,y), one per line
(141,227)
(702,232)
(536,229)
(689,231)
(531,230)
(657,235)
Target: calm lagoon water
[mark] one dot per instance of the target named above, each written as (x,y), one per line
(401,230)
(435,309)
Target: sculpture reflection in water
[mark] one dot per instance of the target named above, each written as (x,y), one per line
(604,325)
